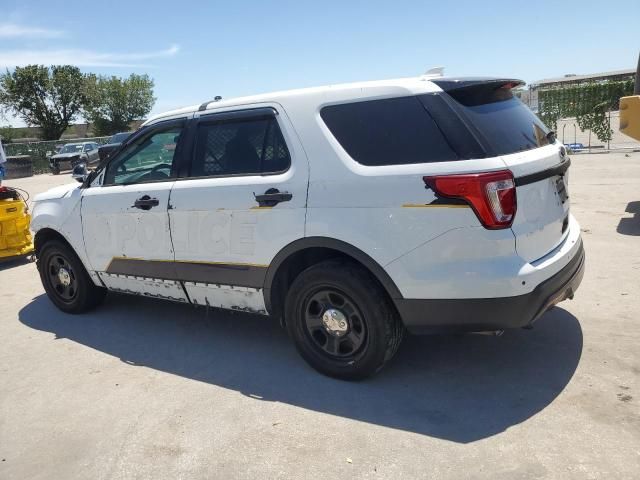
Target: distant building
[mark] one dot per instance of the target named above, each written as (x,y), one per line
(530,96)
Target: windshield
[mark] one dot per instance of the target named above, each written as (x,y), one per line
(119,137)
(72,148)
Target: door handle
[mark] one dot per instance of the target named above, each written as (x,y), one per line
(146,202)
(272,197)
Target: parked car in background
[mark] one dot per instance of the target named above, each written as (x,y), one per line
(574,147)
(104,151)
(73,154)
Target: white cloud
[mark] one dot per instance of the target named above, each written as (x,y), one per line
(14,30)
(81,58)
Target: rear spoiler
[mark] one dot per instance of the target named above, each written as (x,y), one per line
(478,91)
(452,83)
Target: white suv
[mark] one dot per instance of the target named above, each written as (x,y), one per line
(352,212)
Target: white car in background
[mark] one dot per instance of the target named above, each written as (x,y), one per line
(353,212)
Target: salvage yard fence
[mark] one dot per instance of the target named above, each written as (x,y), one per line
(41,151)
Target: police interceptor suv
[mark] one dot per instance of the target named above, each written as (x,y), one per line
(353,212)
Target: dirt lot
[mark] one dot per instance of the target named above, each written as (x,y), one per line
(147,389)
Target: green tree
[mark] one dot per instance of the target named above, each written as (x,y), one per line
(589,103)
(6,134)
(45,97)
(112,103)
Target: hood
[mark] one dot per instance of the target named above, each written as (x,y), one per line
(59,156)
(57,192)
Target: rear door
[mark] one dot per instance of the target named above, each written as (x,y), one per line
(508,129)
(240,199)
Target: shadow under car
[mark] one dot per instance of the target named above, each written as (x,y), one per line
(461,388)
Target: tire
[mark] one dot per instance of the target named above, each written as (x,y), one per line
(342,321)
(55,169)
(79,294)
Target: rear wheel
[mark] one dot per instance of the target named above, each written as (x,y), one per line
(55,169)
(65,279)
(341,320)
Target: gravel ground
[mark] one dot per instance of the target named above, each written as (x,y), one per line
(149,389)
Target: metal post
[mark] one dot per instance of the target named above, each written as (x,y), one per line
(563,127)
(636,89)
(609,125)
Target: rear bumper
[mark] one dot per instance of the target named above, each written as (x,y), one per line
(482,314)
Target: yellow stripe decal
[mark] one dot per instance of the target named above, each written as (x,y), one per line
(420,205)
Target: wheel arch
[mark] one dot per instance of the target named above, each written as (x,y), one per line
(302,253)
(47,234)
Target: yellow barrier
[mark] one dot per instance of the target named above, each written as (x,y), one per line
(630,116)
(15,237)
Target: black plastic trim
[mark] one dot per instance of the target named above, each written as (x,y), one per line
(325,242)
(447,201)
(239,275)
(242,114)
(422,316)
(557,170)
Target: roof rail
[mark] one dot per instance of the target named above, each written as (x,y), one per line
(204,106)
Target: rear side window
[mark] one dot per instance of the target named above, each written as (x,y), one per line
(392,131)
(503,121)
(240,147)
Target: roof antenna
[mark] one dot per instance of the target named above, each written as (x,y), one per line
(434,72)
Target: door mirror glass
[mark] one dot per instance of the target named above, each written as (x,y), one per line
(80,172)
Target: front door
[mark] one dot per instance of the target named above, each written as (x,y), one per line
(240,201)
(124,218)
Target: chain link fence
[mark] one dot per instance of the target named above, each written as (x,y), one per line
(40,151)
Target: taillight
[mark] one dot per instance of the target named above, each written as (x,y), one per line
(492,195)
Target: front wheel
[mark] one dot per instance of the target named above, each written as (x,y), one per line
(55,169)
(341,320)
(65,279)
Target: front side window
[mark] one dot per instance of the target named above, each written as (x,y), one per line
(88,148)
(239,147)
(148,159)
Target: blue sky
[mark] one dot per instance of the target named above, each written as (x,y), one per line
(196,50)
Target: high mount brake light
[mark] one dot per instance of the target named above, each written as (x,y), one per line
(492,195)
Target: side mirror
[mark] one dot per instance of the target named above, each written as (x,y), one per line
(80,172)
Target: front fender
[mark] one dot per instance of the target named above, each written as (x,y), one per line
(62,215)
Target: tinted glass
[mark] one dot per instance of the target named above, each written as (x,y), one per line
(149,159)
(119,137)
(388,132)
(507,125)
(240,147)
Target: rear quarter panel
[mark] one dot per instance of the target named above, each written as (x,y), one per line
(384,210)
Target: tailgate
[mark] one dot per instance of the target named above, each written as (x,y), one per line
(508,129)
(541,221)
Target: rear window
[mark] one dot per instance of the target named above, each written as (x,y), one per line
(504,122)
(392,131)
